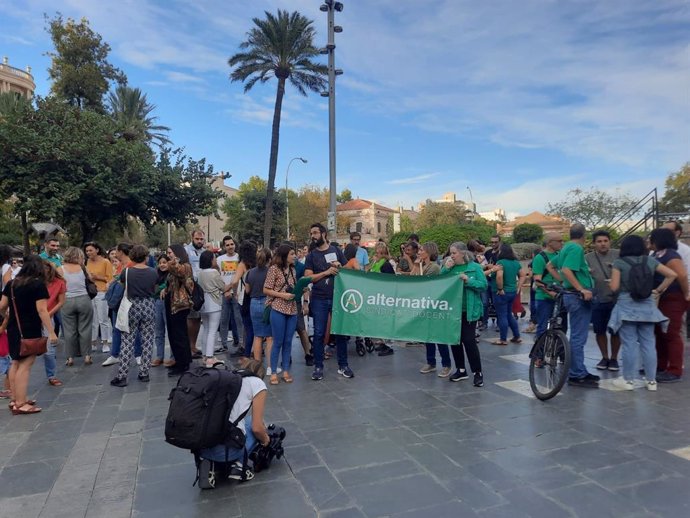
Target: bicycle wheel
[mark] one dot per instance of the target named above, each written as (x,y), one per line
(549,364)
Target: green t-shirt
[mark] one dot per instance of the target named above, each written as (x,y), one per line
(539,268)
(511,267)
(573,257)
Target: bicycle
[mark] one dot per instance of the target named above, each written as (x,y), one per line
(550,355)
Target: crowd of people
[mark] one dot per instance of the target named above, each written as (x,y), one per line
(127,302)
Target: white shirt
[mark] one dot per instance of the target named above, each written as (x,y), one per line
(684,252)
(251,386)
(194,256)
(6,267)
(227,264)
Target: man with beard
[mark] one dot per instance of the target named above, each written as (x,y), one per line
(194,251)
(321,265)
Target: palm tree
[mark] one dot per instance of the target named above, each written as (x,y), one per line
(132,113)
(11,102)
(280,46)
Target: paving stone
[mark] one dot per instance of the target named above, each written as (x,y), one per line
(32,451)
(589,456)
(628,474)
(433,461)
(669,497)
(350,512)
(22,506)
(371,453)
(451,508)
(473,492)
(592,500)
(282,498)
(366,475)
(304,456)
(13,479)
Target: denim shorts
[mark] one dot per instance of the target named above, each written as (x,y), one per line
(601,314)
(5,362)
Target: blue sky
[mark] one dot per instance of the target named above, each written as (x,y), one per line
(520,101)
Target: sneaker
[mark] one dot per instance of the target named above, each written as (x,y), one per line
(211,362)
(279,370)
(531,328)
(317,374)
(459,375)
(207,474)
(613,365)
(592,377)
(219,350)
(667,377)
(478,379)
(346,372)
(386,351)
(444,372)
(235,472)
(651,386)
(144,378)
(118,382)
(105,348)
(583,382)
(603,364)
(110,360)
(269,371)
(623,384)
(427,369)
(138,360)
(309,360)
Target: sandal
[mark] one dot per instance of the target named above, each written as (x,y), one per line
(327,355)
(88,360)
(55,382)
(499,342)
(69,362)
(274,379)
(516,340)
(14,403)
(156,362)
(287,378)
(5,394)
(17,410)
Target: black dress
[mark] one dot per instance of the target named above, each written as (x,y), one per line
(26,296)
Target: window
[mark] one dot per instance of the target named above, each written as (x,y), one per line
(358,227)
(378,226)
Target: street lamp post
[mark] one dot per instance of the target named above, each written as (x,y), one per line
(474,209)
(330,6)
(287,205)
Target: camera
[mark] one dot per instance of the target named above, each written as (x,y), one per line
(262,456)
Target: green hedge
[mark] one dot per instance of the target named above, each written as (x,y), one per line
(445,235)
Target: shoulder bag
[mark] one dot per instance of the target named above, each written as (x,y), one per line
(91,288)
(28,346)
(122,321)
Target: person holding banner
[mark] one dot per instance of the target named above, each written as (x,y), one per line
(321,265)
(461,262)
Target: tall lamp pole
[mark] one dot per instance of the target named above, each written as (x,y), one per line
(474,209)
(287,205)
(330,6)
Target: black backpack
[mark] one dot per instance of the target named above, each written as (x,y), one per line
(197,296)
(200,407)
(640,279)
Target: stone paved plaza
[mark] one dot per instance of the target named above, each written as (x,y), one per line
(390,442)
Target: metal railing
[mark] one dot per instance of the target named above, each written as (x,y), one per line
(642,216)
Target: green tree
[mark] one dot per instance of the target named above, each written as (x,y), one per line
(308,205)
(279,46)
(528,233)
(11,102)
(133,115)
(677,194)
(10,227)
(434,213)
(245,210)
(593,208)
(344,196)
(80,69)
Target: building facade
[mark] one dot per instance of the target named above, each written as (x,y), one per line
(212,225)
(547,223)
(16,80)
(366,217)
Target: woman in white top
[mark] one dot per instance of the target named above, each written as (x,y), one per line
(214,287)
(77,313)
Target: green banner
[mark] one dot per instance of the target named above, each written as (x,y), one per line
(397,307)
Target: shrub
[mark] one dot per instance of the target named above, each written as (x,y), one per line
(525,251)
(445,235)
(528,233)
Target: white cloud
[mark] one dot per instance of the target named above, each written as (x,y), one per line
(413,179)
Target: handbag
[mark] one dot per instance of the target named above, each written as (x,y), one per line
(91,288)
(122,320)
(113,295)
(28,346)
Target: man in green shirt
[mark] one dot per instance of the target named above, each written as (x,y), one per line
(574,271)
(553,242)
(50,251)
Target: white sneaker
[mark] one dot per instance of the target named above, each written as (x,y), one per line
(138,359)
(622,383)
(105,348)
(110,360)
(651,386)
(279,370)
(268,371)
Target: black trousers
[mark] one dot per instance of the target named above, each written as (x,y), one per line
(178,337)
(468,344)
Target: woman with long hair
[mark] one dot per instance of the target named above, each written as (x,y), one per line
(159,312)
(178,302)
(279,287)
(77,313)
(634,319)
(255,287)
(56,299)
(247,253)
(673,303)
(381,262)
(101,271)
(507,276)
(214,289)
(26,296)
(461,262)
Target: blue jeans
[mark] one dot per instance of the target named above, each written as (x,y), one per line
(117,340)
(159,328)
(544,312)
(532,305)
(320,309)
(217,453)
(49,362)
(229,319)
(504,314)
(638,337)
(283,329)
(248,333)
(579,315)
(442,350)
